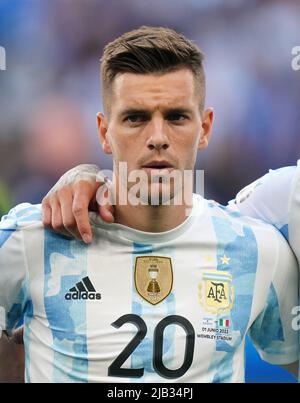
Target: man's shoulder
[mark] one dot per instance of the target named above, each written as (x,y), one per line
(234,217)
(269,244)
(22,216)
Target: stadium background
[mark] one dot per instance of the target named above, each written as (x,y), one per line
(49,94)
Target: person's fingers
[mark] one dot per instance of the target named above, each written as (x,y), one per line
(65,198)
(56,218)
(17,335)
(66,210)
(46,212)
(83,194)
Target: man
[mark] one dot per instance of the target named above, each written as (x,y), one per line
(274,198)
(158,296)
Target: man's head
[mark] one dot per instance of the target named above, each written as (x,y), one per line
(153,91)
(150,50)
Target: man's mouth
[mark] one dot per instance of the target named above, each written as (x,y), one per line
(158,166)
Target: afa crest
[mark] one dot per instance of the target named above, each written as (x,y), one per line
(216,292)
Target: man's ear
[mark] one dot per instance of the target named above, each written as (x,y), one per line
(102,124)
(206,130)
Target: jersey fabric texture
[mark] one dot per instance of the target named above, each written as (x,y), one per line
(143,307)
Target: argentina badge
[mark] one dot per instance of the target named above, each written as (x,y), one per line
(216,292)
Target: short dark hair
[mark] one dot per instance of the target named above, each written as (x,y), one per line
(150,50)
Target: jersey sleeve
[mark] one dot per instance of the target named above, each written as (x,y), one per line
(294,215)
(13,272)
(269,198)
(272,332)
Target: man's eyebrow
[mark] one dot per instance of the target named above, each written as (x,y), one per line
(166,111)
(134,111)
(179,111)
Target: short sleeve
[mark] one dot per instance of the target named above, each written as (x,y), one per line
(272,332)
(268,198)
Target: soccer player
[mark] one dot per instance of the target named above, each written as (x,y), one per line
(158,296)
(274,198)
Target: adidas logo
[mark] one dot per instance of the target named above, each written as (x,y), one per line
(83,290)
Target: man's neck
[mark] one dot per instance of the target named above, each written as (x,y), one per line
(153,218)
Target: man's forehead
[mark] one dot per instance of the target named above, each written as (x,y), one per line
(138,90)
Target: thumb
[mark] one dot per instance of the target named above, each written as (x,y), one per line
(105,207)
(106,212)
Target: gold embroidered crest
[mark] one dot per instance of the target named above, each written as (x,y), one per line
(153,278)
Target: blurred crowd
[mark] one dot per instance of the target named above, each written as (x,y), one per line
(50,92)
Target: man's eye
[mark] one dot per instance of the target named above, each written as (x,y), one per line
(135,119)
(177,117)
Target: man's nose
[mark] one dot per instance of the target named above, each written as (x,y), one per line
(157,140)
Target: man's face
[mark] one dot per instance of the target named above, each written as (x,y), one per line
(155,124)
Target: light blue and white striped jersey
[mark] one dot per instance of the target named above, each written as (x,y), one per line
(143,307)
(275,198)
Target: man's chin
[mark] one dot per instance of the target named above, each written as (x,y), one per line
(160,194)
